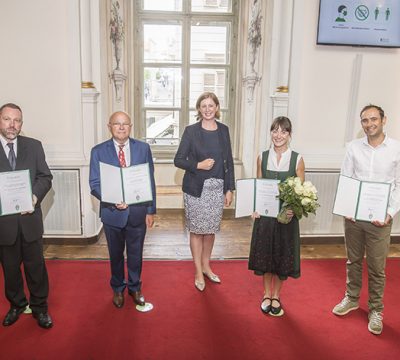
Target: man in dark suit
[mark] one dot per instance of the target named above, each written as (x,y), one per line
(21,234)
(123,224)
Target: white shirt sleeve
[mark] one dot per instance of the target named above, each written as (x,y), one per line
(394,199)
(348,163)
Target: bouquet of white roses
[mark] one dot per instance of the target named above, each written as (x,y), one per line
(299,197)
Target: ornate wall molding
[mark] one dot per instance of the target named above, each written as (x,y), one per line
(254,33)
(251,81)
(254,39)
(87,85)
(117,36)
(118,78)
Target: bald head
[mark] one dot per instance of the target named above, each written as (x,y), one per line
(120,126)
(119,115)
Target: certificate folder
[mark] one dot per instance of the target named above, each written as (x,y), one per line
(261,195)
(361,200)
(15,192)
(130,185)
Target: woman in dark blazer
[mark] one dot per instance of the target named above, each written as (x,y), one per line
(205,154)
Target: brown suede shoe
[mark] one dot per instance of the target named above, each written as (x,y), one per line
(138,297)
(118,299)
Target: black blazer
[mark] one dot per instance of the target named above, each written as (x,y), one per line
(192,150)
(30,155)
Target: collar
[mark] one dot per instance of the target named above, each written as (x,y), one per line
(383,143)
(4,141)
(272,150)
(126,143)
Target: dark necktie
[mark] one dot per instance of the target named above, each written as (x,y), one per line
(11,155)
(121,156)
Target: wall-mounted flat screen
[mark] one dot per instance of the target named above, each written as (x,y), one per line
(359,23)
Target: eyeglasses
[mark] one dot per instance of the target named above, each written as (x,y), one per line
(121,125)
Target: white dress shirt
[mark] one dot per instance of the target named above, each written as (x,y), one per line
(6,148)
(126,151)
(381,164)
(284,163)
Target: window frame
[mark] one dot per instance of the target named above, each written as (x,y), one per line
(186,18)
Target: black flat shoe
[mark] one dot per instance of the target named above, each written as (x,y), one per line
(12,316)
(43,320)
(266,308)
(276,311)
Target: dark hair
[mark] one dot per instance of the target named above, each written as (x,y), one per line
(372,106)
(204,96)
(282,122)
(341,8)
(10,105)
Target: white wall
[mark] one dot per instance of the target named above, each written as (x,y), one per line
(40,66)
(322,104)
(40,71)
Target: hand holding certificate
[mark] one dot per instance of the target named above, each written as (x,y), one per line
(15,192)
(260,195)
(129,185)
(361,200)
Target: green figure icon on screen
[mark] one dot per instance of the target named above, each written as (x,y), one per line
(342,10)
(376,13)
(387,13)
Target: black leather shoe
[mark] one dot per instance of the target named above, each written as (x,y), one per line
(118,299)
(276,311)
(264,307)
(138,297)
(44,320)
(12,316)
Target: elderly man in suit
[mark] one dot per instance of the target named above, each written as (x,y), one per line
(21,234)
(124,225)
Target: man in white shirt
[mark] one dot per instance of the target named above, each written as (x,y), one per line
(375,157)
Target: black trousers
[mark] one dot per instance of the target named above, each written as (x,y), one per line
(31,256)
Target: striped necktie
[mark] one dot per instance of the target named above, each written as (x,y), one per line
(11,156)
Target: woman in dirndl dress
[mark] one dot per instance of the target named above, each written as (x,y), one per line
(275,247)
(206,156)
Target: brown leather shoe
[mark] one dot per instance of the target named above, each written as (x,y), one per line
(118,299)
(138,297)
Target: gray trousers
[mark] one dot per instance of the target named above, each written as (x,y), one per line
(365,238)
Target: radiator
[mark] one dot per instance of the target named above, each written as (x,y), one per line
(62,205)
(325,223)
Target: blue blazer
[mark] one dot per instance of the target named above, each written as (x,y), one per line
(105,152)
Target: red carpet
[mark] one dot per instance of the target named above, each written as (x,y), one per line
(224,322)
